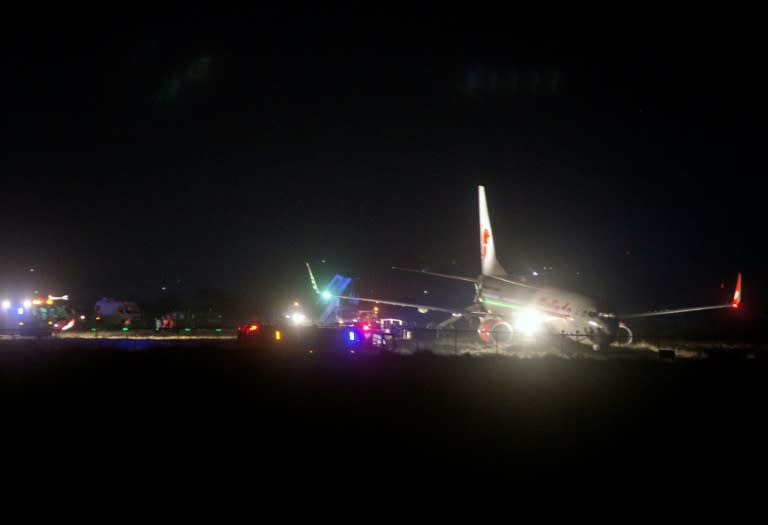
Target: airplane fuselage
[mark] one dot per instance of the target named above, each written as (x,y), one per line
(558,311)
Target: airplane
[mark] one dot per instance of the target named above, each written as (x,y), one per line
(507,307)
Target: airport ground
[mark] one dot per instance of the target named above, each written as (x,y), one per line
(443,435)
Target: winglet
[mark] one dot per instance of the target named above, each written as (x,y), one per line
(737,294)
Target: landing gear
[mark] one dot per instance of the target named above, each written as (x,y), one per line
(602,348)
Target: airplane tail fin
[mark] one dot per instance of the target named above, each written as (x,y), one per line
(488,262)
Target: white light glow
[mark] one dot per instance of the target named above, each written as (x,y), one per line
(27,303)
(6,304)
(298,318)
(529,321)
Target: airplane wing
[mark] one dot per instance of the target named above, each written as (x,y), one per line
(466,279)
(509,281)
(421,307)
(735,302)
(443,275)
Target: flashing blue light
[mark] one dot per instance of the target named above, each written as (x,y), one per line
(20,310)
(352,338)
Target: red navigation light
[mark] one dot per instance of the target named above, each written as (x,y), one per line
(253,328)
(366,327)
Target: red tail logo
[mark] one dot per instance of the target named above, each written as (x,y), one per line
(484,242)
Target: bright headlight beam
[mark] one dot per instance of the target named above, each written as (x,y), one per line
(529,321)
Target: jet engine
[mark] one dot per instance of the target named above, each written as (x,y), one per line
(626,340)
(494,331)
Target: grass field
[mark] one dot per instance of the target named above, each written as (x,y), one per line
(479,432)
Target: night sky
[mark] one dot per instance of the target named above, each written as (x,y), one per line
(192,150)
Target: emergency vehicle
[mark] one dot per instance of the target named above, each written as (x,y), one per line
(36,315)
